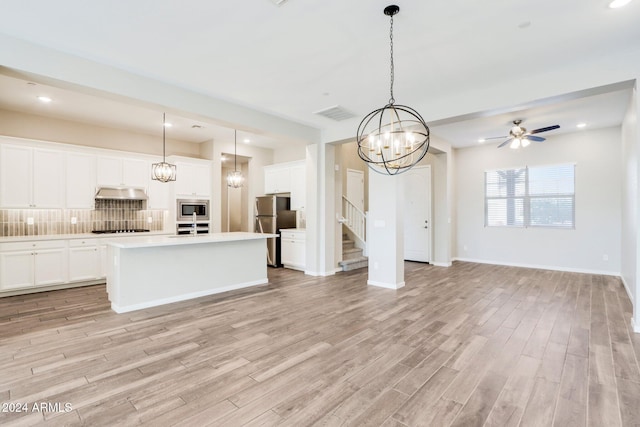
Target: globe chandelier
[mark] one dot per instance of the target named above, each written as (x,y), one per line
(394,138)
(235,179)
(163,171)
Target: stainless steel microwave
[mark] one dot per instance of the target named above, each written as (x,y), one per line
(185,208)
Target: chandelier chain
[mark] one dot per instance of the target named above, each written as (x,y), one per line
(391,100)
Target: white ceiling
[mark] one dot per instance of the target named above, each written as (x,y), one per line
(307,55)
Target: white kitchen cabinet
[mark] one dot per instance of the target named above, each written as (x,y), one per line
(32,264)
(277,179)
(193,179)
(293,248)
(298,186)
(122,172)
(31,177)
(85,261)
(81,181)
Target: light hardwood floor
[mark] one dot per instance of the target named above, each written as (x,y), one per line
(468,345)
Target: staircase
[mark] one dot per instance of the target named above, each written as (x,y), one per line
(352,258)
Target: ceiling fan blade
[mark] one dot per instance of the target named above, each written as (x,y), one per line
(548,128)
(495,137)
(505,143)
(534,138)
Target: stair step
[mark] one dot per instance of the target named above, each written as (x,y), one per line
(351,253)
(354,264)
(348,244)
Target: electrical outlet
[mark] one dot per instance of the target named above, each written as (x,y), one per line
(74,220)
(30,220)
(605,257)
(376,265)
(465,248)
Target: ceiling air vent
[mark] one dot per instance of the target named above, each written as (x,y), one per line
(336,113)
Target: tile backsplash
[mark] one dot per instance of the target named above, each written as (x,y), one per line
(108,215)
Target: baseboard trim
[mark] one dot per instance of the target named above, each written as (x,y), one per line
(441,264)
(133,307)
(540,267)
(320,274)
(386,285)
(626,288)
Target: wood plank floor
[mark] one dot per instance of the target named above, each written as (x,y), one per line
(468,345)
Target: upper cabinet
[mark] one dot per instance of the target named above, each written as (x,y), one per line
(122,172)
(277,178)
(287,178)
(31,177)
(193,178)
(81,180)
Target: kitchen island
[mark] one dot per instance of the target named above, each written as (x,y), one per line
(148,271)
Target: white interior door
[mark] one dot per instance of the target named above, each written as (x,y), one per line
(355,188)
(417,214)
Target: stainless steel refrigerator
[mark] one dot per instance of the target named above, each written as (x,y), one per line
(273,214)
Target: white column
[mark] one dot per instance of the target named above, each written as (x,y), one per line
(385,237)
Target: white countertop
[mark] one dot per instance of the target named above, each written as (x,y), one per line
(12,239)
(299,230)
(186,239)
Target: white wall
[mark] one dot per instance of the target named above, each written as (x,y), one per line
(254,177)
(598,179)
(291,153)
(31,126)
(629,218)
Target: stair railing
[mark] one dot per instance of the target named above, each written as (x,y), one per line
(354,219)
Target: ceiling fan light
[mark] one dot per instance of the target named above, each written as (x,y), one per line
(525,142)
(515,144)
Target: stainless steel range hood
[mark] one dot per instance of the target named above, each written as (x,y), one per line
(120,193)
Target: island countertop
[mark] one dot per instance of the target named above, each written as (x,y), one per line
(147,271)
(186,239)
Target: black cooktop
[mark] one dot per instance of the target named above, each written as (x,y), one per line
(132,230)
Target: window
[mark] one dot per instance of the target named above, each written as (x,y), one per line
(541,196)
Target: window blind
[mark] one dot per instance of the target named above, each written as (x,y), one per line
(540,196)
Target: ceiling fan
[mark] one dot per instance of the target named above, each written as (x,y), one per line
(520,137)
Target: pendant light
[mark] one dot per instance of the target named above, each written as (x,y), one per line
(163,172)
(235,178)
(395,137)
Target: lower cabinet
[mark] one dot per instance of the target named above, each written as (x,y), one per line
(31,264)
(293,248)
(85,261)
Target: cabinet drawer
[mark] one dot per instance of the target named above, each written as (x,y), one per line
(36,244)
(295,235)
(78,243)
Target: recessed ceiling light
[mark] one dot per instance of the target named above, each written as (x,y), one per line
(247,140)
(525,24)
(44,99)
(615,4)
(481,140)
(581,125)
(167,124)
